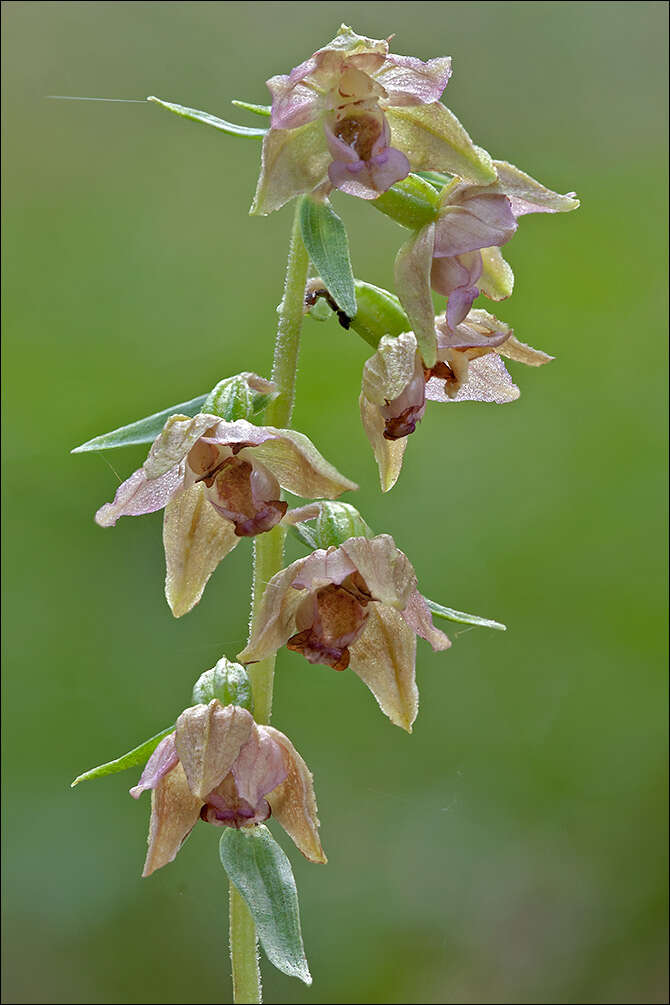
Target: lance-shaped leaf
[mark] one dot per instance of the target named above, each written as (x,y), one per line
(432,135)
(264,110)
(325,238)
(262,874)
(144,430)
(461,618)
(209,120)
(138,755)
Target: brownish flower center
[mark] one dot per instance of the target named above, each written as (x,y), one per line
(360,132)
(226,808)
(331,619)
(247,494)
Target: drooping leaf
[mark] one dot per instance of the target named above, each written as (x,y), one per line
(265,110)
(143,431)
(209,120)
(262,873)
(462,618)
(325,238)
(138,755)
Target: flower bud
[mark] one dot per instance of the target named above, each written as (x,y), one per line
(412,202)
(240,397)
(337,522)
(227,682)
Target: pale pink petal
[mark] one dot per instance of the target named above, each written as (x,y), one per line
(180,433)
(322,568)
(293,460)
(293,801)
(208,740)
(161,761)
(138,495)
(478,222)
(479,328)
(410,81)
(417,615)
(174,814)
(529,196)
(259,767)
(388,453)
(384,659)
(387,572)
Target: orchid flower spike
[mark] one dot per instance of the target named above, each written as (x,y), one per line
(396,383)
(354,606)
(221,767)
(458,254)
(218,481)
(357,118)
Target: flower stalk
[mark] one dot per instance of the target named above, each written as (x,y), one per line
(268,561)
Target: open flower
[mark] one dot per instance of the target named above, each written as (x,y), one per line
(218,481)
(354,606)
(396,383)
(355,117)
(457,255)
(221,767)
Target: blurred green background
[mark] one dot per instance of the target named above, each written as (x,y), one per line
(511,850)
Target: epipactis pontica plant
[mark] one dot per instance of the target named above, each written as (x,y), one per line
(355,118)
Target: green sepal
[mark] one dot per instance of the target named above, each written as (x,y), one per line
(461,618)
(327,244)
(264,110)
(412,202)
(235,398)
(209,120)
(227,682)
(143,431)
(378,313)
(262,874)
(138,755)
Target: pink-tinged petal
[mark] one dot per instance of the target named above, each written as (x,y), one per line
(322,568)
(293,801)
(384,659)
(180,433)
(410,81)
(488,381)
(387,572)
(387,373)
(208,740)
(161,761)
(459,272)
(259,767)
(497,279)
(522,353)
(412,279)
(478,222)
(388,453)
(137,495)
(302,513)
(459,304)
(174,813)
(369,179)
(434,140)
(294,99)
(529,196)
(417,615)
(195,538)
(295,462)
(275,621)
(294,161)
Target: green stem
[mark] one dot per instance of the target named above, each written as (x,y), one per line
(268,560)
(243,952)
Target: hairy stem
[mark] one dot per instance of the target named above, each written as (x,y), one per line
(243,952)
(268,560)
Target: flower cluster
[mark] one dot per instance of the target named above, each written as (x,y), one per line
(357,118)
